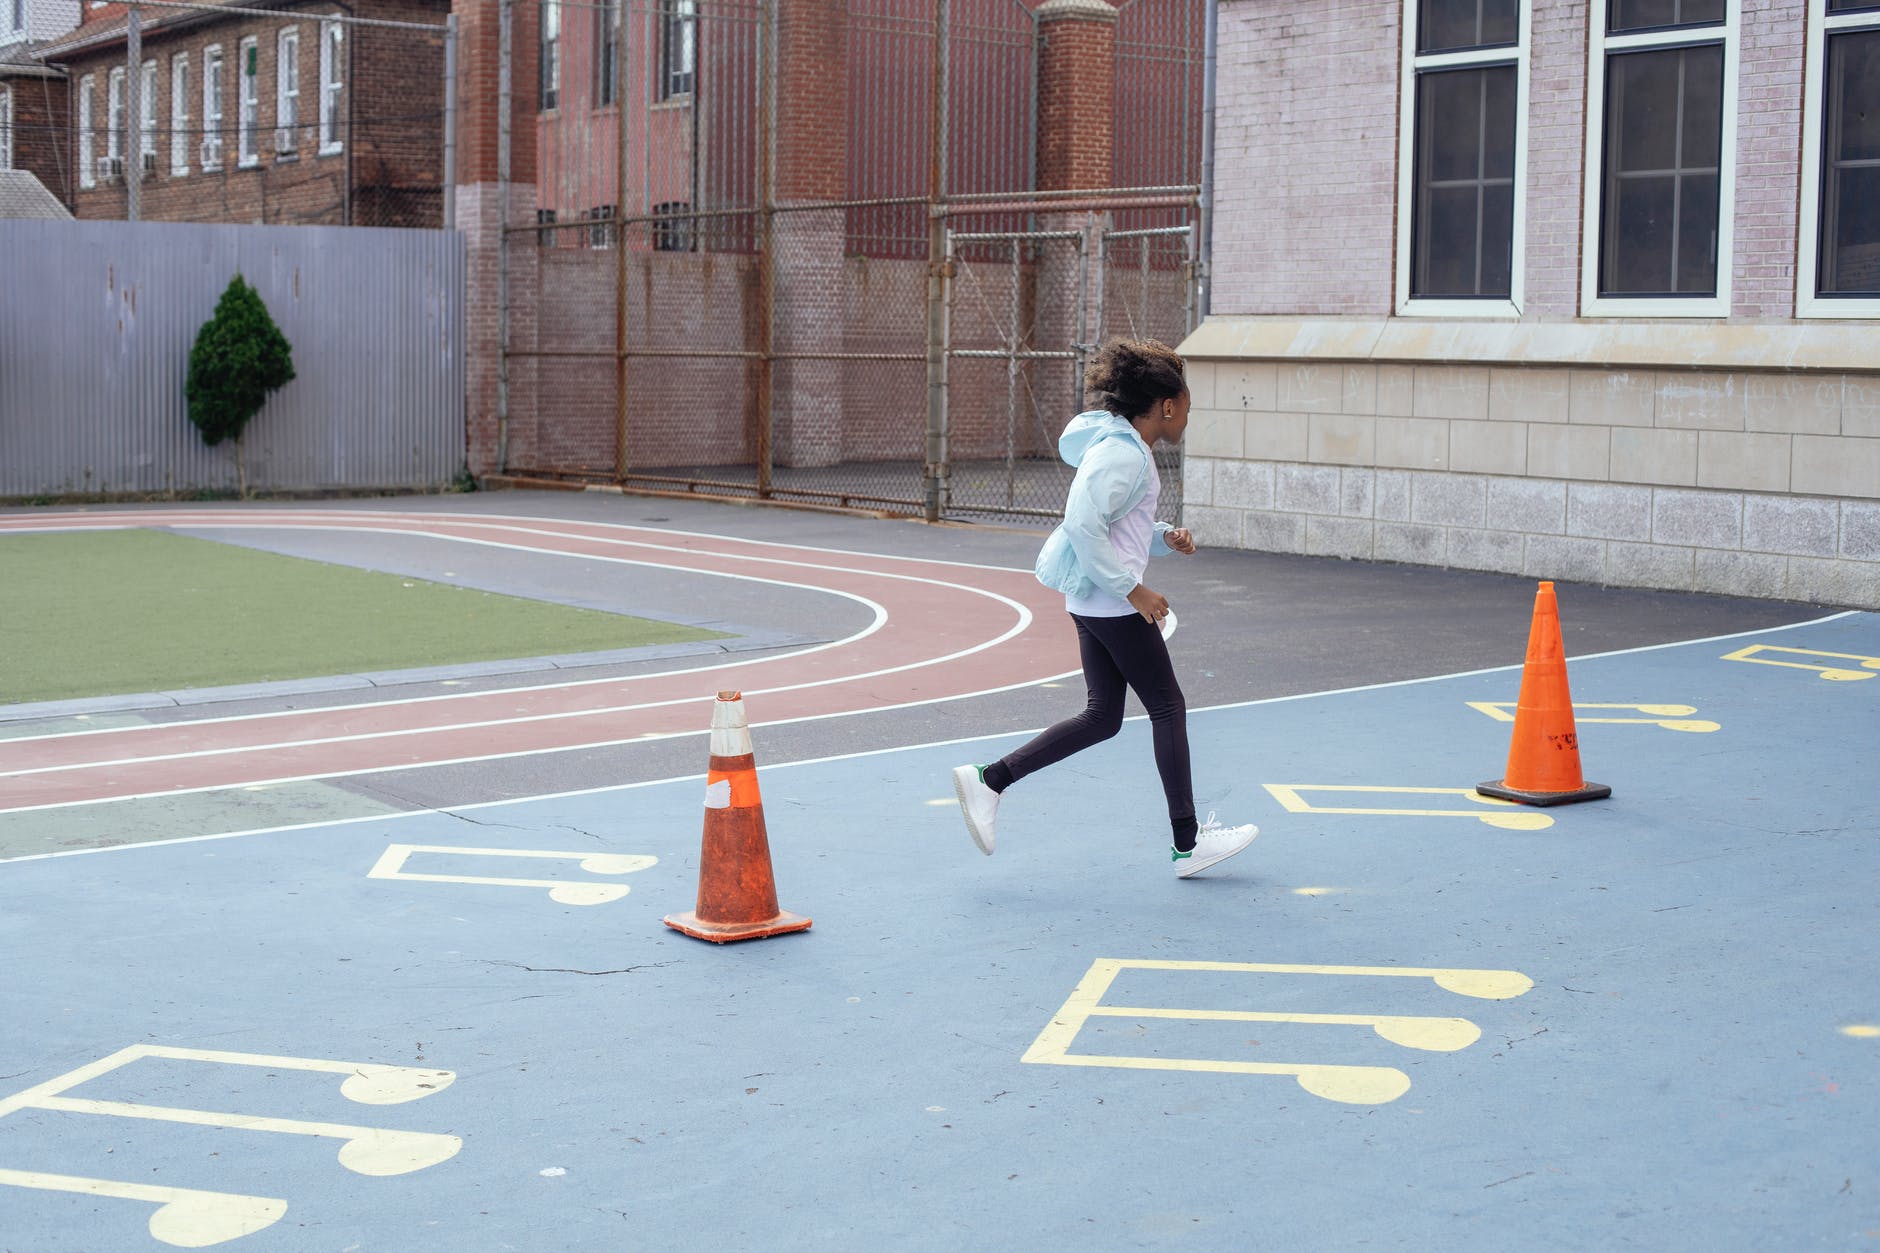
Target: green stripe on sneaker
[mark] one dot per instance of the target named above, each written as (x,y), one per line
(1175,854)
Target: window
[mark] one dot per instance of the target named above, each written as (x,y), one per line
(6,130)
(545,238)
(1838,271)
(248,102)
(211,154)
(1461,190)
(19,18)
(601,233)
(114,115)
(147,116)
(86,146)
(179,114)
(287,92)
(550,67)
(332,83)
(1661,133)
(678,47)
(606,38)
(672,233)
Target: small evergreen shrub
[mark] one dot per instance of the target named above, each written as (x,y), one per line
(239,357)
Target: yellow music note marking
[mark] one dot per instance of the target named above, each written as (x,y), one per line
(1670,717)
(1352,1085)
(390,865)
(193,1219)
(1288,794)
(1839,674)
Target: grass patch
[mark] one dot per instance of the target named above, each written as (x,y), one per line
(99,613)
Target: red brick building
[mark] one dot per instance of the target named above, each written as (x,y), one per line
(295,120)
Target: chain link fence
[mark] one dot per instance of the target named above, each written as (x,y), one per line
(891,319)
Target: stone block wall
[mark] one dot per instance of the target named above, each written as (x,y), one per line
(1741,482)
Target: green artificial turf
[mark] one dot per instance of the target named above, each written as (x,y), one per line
(96,613)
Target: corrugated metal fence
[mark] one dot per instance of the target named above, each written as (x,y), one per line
(97,322)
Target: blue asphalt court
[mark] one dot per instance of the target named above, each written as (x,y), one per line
(1404,1018)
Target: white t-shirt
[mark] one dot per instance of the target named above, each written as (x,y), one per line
(1131,536)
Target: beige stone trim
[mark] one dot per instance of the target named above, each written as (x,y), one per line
(1709,346)
(1081,10)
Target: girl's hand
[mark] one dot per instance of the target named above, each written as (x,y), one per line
(1150,603)
(1180,539)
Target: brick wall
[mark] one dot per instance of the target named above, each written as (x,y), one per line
(1306,156)
(387,171)
(1076,97)
(41,141)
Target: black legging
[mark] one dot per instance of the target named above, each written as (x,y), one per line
(1116,652)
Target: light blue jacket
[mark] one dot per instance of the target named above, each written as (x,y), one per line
(1114,471)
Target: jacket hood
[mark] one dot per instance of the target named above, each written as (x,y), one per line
(1087,430)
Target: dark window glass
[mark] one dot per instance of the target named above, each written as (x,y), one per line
(1854,6)
(549,66)
(672,234)
(606,37)
(678,46)
(601,233)
(1462,226)
(1450,25)
(545,239)
(1850,168)
(1625,15)
(1664,127)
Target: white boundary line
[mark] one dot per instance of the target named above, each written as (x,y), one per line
(868,752)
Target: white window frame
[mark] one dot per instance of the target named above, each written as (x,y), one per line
(87,142)
(1808,304)
(212,63)
(332,86)
(287,86)
(147,112)
(1599,45)
(114,114)
(247,103)
(179,115)
(6,129)
(1517,55)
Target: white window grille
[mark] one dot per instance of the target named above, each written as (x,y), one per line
(287,91)
(6,130)
(114,114)
(179,114)
(332,86)
(147,115)
(549,66)
(1462,160)
(677,47)
(1661,158)
(1837,266)
(210,156)
(248,103)
(86,143)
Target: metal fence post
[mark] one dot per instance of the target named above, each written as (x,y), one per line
(450,120)
(939,267)
(504,99)
(133,115)
(621,463)
(767,242)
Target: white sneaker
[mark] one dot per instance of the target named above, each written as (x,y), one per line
(1213,843)
(979,805)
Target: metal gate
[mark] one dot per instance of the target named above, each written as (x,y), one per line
(1024,311)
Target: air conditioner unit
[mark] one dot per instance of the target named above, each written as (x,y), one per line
(286,140)
(110,169)
(150,165)
(210,153)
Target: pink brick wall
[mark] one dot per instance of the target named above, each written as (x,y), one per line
(1306,155)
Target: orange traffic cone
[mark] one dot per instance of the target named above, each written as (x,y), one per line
(1544,758)
(737,898)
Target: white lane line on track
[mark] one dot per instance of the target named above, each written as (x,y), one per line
(1025,619)
(867,752)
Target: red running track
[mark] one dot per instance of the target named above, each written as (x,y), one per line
(942,630)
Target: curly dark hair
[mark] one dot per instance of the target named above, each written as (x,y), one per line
(1127,376)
